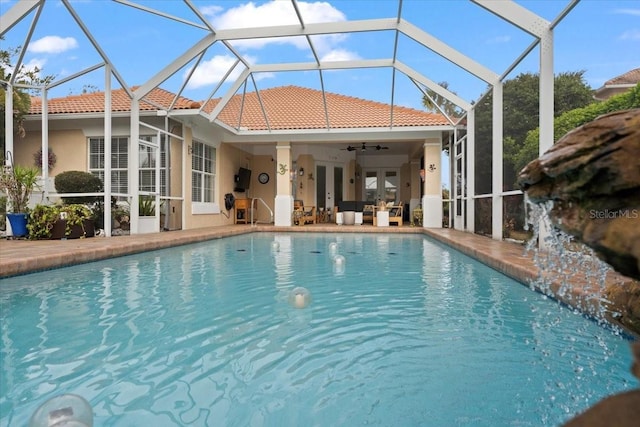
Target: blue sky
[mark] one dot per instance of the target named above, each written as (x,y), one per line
(601,37)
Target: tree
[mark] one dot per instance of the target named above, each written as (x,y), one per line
(433,100)
(521,115)
(572,119)
(21,97)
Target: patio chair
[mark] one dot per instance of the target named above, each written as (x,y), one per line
(307,214)
(395,214)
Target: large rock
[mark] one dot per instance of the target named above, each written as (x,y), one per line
(593,177)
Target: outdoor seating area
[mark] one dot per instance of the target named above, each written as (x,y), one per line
(368,213)
(391,214)
(303,214)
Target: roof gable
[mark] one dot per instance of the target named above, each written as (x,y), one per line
(285,108)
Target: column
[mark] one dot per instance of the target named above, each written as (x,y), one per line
(284,199)
(432,198)
(470,179)
(496,164)
(546,112)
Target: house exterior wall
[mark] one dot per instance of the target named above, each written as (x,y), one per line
(68,138)
(405,182)
(305,187)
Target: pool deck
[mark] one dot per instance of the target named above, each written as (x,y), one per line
(19,256)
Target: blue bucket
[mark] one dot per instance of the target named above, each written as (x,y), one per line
(18,223)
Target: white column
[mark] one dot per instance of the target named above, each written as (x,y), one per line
(455,221)
(470,179)
(284,199)
(44,161)
(8,140)
(133,166)
(432,197)
(496,154)
(8,126)
(546,108)
(107,151)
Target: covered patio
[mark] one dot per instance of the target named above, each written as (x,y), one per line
(225,111)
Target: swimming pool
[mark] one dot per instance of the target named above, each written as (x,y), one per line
(406,332)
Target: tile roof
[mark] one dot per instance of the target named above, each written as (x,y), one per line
(629,78)
(293,107)
(618,84)
(286,108)
(120,101)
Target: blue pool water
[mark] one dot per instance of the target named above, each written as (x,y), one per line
(406,333)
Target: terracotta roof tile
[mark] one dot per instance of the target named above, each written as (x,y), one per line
(94,102)
(293,107)
(629,78)
(286,108)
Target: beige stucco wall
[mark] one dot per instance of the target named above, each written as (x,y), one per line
(266,192)
(69,146)
(68,140)
(433,156)
(405,183)
(306,187)
(175,206)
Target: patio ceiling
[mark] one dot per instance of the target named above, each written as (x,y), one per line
(244,74)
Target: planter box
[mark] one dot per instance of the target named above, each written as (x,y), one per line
(59,229)
(148,224)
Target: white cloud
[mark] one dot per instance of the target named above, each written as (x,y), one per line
(277,12)
(499,40)
(339,55)
(263,76)
(35,62)
(53,44)
(632,12)
(212,71)
(630,35)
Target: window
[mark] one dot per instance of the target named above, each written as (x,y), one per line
(203,161)
(119,162)
(147,159)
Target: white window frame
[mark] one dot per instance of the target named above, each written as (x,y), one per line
(198,172)
(162,158)
(100,172)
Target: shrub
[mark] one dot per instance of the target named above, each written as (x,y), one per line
(43,218)
(572,119)
(78,182)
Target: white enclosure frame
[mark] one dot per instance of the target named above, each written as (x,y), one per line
(510,11)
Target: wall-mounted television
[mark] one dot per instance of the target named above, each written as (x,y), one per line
(242,179)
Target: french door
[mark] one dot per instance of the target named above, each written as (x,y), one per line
(329,185)
(381,184)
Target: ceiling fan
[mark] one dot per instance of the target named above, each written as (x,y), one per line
(365,147)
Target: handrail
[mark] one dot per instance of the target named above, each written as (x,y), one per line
(265,205)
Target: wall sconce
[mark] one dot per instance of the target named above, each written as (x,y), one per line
(301,172)
(189,150)
(422,174)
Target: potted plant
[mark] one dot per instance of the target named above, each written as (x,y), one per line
(18,183)
(147,222)
(71,221)
(81,182)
